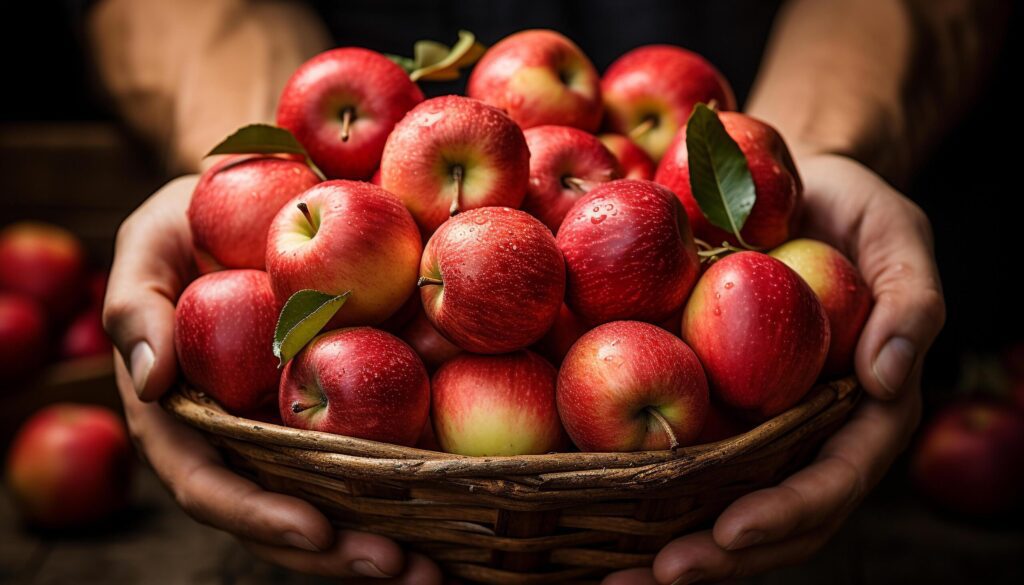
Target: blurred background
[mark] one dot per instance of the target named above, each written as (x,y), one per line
(65,159)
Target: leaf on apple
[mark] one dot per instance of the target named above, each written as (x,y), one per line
(720,178)
(434,61)
(263,139)
(302,318)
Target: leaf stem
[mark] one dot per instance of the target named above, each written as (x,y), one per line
(673,440)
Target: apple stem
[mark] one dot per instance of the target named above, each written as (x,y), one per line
(673,442)
(580,186)
(643,127)
(428,281)
(346,123)
(305,211)
(713,105)
(298,407)
(457,171)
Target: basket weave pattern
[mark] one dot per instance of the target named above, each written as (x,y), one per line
(554,518)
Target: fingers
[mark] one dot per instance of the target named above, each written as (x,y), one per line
(152,263)
(193,472)
(630,577)
(355,554)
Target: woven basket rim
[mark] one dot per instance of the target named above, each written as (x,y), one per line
(200,411)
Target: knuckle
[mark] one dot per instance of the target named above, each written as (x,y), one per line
(932,306)
(115,311)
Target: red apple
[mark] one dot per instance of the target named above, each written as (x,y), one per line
(234,203)
(773,218)
(539,77)
(70,465)
(634,162)
(96,284)
(375,179)
(650,91)
(629,253)
(404,315)
(427,439)
(430,345)
(345,236)
(563,334)
(342,104)
(359,382)
(565,163)
(760,332)
(968,459)
(493,405)
(85,336)
(721,424)
(452,153)
(492,280)
(45,262)
(631,386)
(22,336)
(224,334)
(841,290)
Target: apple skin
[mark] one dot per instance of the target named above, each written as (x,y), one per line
(224,333)
(661,83)
(22,336)
(563,334)
(430,345)
(234,203)
(539,77)
(968,459)
(634,162)
(378,92)
(446,133)
(503,280)
(616,374)
(70,465)
(629,253)
(364,242)
(558,154)
(760,332)
(45,262)
(358,382)
(496,405)
(85,336)
(779,190)
(841,290)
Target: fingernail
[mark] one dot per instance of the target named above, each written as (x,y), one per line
(300,541)
(691,576)
(366,568)
(745,539)
(141,363)
(893,364)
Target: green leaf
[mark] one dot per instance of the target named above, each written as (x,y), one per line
(404,62)
(302,318)
(720,177)
(259,139)
(436,62)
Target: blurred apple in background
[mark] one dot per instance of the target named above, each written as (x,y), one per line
(539,77)
(841,290)
(496,405)
(776,182)
(452,154)
(650,91)
(968,459)
(97,287)
(234,203)
(359,382)
(45,262)
(346,236)
(85,336)
(431,346)
(223,335)
(342,105)
(565,163)
(634,162)
(629,253)
(22,336)
(70,465)
(631,386)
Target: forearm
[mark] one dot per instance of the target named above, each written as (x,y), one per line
(876,80)
(184,74)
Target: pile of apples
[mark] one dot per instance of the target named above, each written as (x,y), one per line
(50,300)
(635,290)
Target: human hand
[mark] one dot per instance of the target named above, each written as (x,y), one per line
(890,240)
(152,264)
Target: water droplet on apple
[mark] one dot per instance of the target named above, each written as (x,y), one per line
(728,285)
(609,207)
(718,311)
(596,209)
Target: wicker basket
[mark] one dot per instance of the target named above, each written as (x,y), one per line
(530,519)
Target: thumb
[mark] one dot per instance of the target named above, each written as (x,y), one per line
(152,261)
